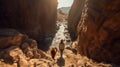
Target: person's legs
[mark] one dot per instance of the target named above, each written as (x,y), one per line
(54,57)
(53,54)
(61,53)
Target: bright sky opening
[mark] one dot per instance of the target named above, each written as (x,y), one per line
(65,3)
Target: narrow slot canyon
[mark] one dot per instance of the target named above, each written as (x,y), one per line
(31,29)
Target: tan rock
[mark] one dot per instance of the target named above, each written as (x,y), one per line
(23,62)
(24,46)
(32,43)
(36,18)
(74,17)
(11,54)
(99,30)
(10,37)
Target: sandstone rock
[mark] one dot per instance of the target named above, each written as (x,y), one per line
(101,39)
(29,47)
(11,54)
(32,43)
(24,46)
(36,18)
(17,49)
(37,54)
(10,37)
(29,52)
(74,47)
(23,62)
(74,17)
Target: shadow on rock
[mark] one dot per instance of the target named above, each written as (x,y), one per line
(45,42)
(61,61)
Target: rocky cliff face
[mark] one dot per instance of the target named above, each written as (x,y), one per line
(99,30)
(33,17)
(74,17)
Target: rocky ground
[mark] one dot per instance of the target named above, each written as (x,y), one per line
(21,51)
(69,60)
(61,17)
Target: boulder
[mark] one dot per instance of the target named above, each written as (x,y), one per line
(10,37)
(30,49)
(11,54)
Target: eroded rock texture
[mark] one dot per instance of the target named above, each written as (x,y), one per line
(74,17)
(36,18)
(17,48)
(99,31)
(10,37)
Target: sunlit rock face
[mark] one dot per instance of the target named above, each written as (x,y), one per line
(36,18)
(99,31)
(74,17)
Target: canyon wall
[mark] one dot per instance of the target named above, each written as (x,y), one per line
(36,18)
(74,17)
(99,30)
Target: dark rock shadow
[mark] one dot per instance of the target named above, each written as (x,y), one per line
(43,46)
(61,62)
(73,50)
(5,57)
(45,43)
